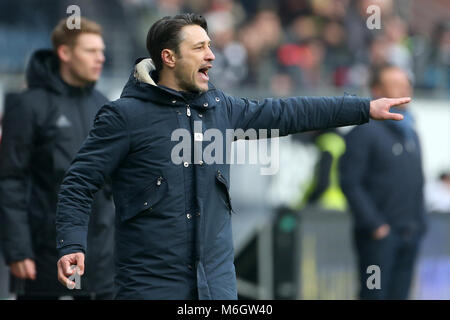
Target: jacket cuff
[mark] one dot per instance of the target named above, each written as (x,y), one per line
(71,239)
(365,109)
(351,103)
(10,258)
(74,248)
(14,251)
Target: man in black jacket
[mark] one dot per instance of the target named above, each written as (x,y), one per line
(41,134)
(173,228)
(381,176)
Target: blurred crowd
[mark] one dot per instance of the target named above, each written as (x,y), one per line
(283,45)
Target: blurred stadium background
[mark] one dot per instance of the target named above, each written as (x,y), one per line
(281,48)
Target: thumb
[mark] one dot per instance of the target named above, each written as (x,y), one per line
(395,116)
(80,263)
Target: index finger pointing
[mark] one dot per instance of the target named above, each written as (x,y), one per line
(399,101)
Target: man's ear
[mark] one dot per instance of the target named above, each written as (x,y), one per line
(168,58)
(64,53)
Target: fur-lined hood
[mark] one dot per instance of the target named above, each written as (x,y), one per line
(142,71)
(142,84)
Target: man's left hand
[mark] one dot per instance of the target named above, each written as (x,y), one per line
(379,109)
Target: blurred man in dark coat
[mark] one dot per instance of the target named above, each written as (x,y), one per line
(41,134)
(381,175)
(173,226)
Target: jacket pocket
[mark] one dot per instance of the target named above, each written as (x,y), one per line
(224,186)
(146,200)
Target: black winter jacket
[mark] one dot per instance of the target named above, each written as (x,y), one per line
(133,141)
(381,175)
(42,133)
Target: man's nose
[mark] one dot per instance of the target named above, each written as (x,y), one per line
(101,57)
(210,55)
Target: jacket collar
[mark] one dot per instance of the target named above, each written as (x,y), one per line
(142,85)
(43,72)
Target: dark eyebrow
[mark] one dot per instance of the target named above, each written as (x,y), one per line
(201,42)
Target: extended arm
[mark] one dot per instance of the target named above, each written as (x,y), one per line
(298,114)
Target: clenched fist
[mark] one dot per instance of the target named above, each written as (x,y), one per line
(65,270)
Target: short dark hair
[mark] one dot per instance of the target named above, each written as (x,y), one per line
(376,73)
(165,34)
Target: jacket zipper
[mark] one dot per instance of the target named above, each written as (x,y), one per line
(188,111)
(82,117)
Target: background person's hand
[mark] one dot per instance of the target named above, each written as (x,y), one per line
(381,232)
(379,109)
(24,269)
(65,270)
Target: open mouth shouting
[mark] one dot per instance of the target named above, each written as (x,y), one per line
(203,72)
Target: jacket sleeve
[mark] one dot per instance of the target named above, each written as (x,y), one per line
(353,167)
(16,149)
(105,147)
(297,114)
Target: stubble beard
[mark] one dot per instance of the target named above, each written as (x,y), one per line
(184,82)
(185,85)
